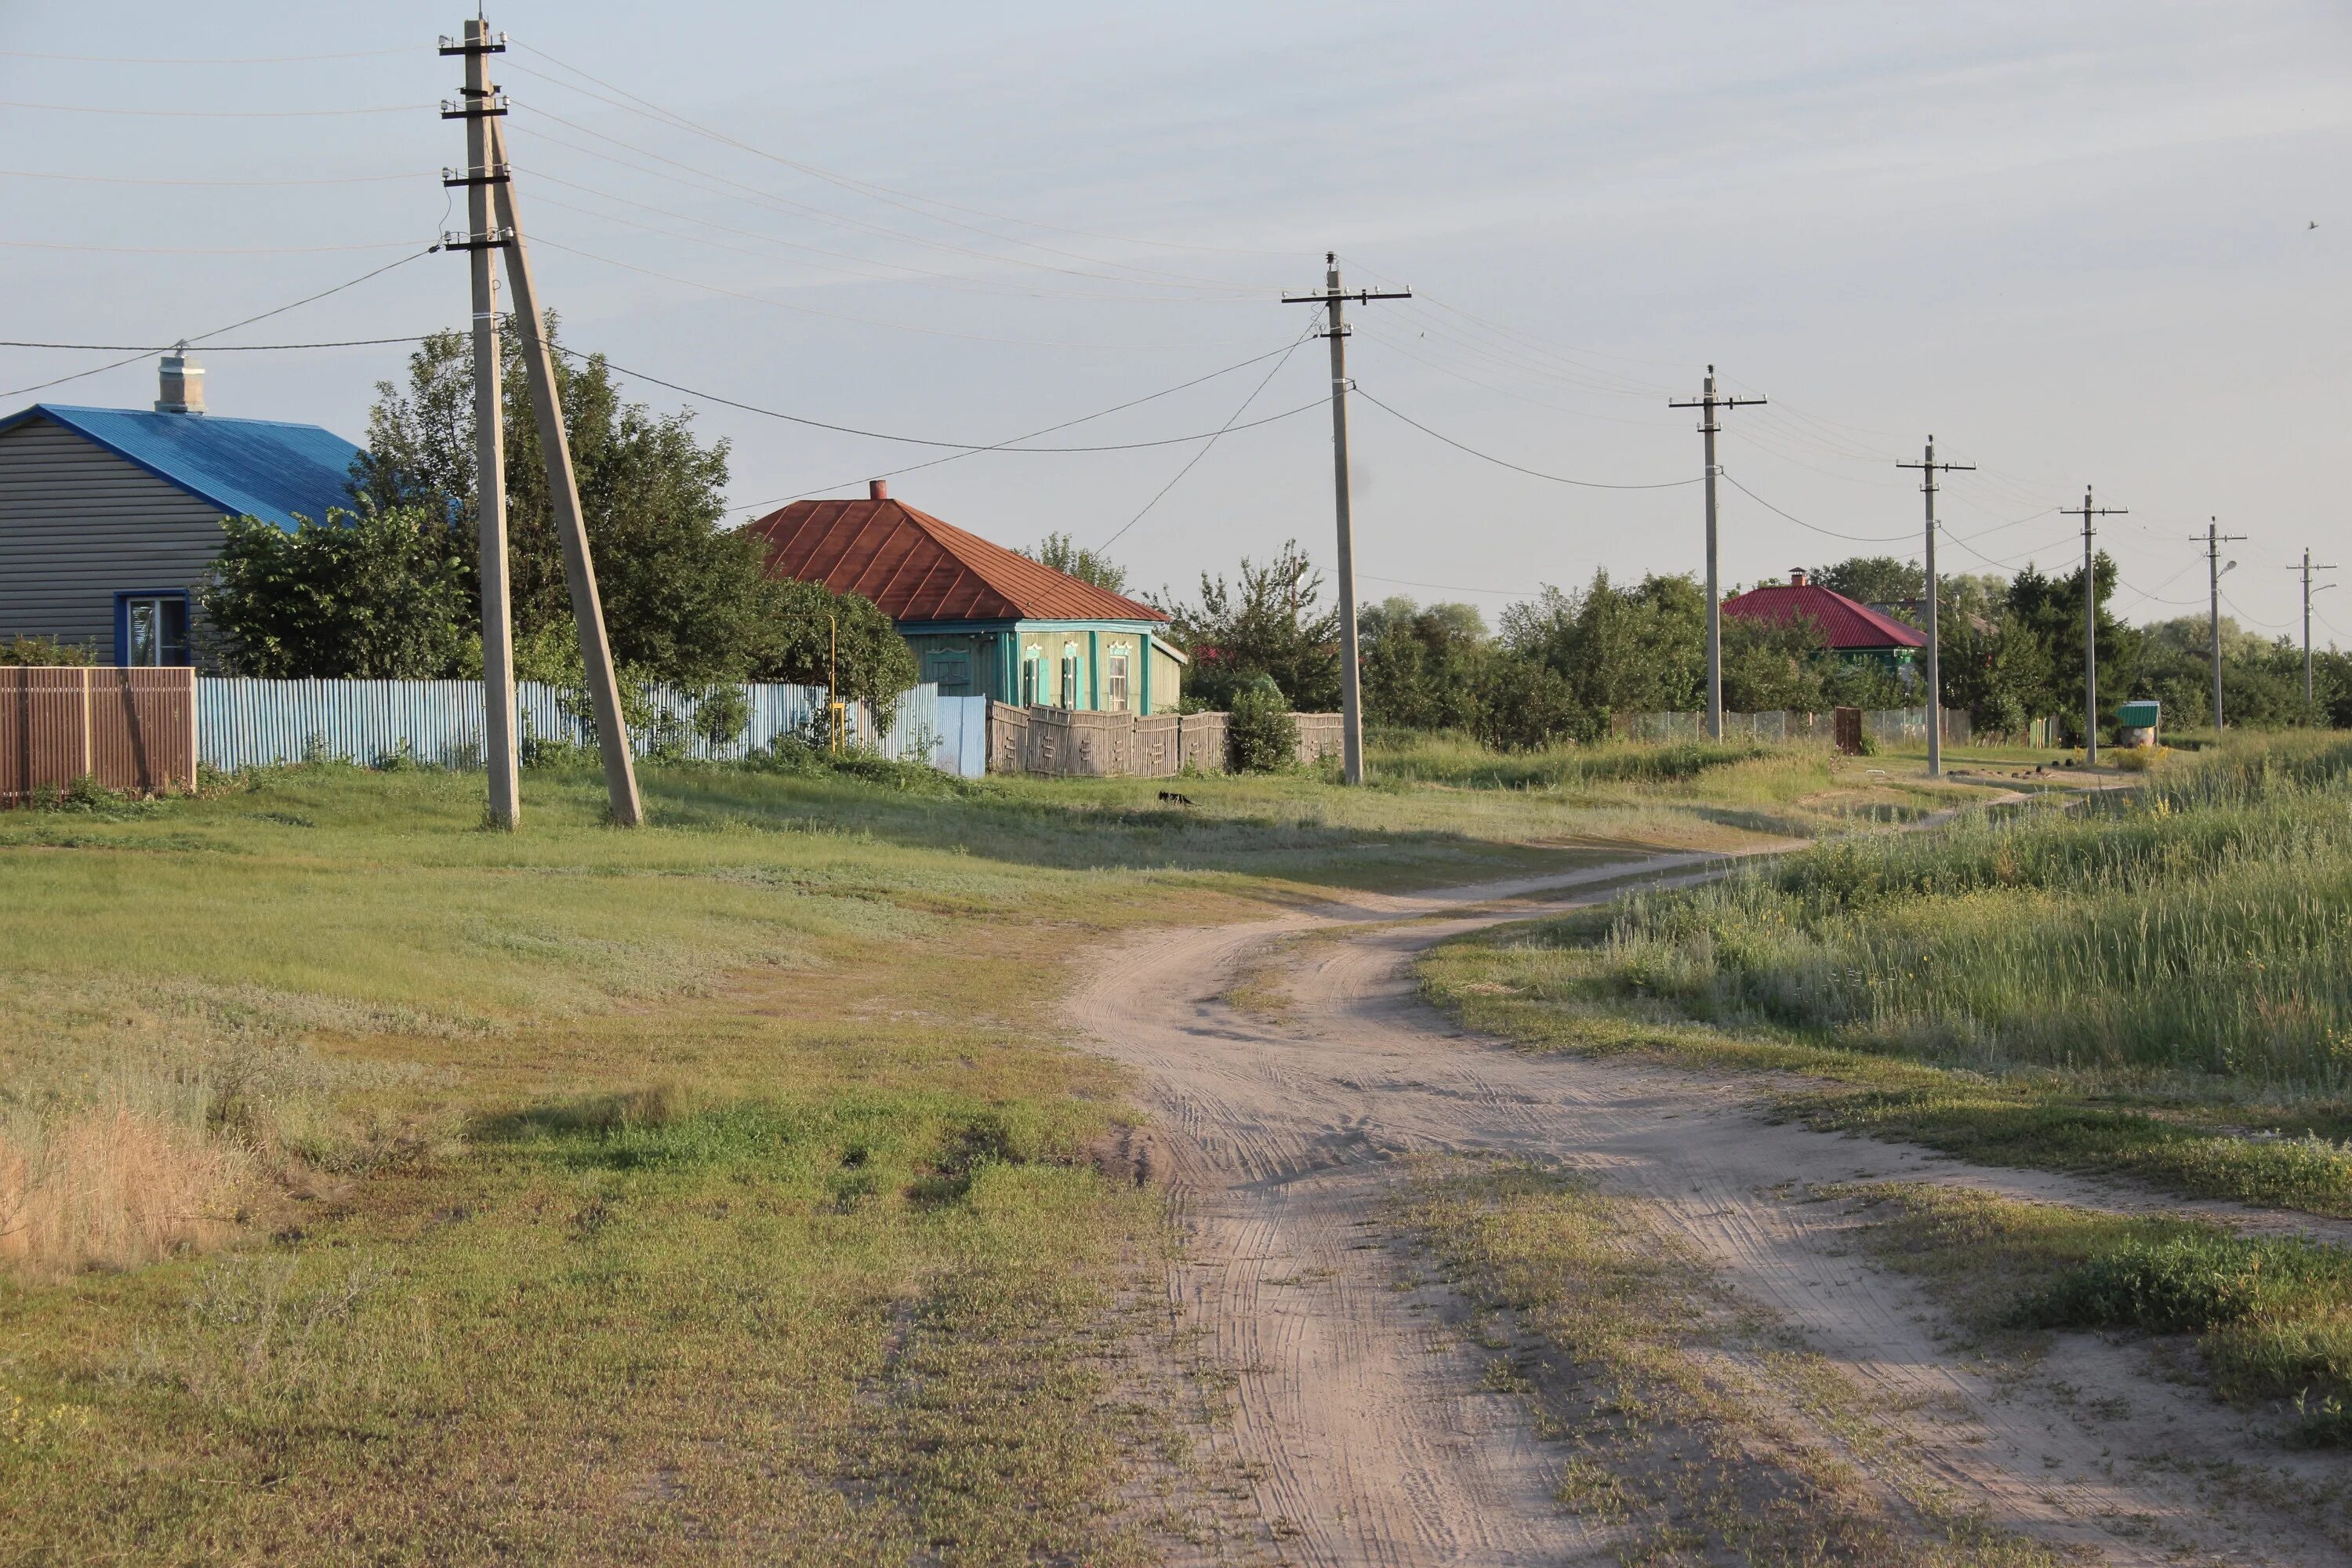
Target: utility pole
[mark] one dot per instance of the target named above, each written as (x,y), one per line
(2214,539)
(2086,511)
(489,430)
(1351,712)
(1928,468)
(489,179)
(2307,568)
(1710,402)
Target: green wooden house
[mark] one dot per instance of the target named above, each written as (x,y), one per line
(983,621)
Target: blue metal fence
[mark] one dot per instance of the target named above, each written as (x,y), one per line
(247,723)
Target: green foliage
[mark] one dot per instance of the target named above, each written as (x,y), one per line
(37,651)
(874,662)
(1262,734)
(1873,579)
(381,594)
(685,598)
(1271,624)
(1071,559)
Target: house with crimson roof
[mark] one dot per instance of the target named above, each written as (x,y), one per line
(1845,626)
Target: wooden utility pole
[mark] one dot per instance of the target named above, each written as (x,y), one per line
(2086,511)
(1929,468)
(501,753)
(2214,539)
(1351,712)
(2307,568)
(1708,401)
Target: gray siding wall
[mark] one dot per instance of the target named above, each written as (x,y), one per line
(79,525)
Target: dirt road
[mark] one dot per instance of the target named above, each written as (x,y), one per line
(1357,1417)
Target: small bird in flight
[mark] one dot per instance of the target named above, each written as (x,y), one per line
(2314,224)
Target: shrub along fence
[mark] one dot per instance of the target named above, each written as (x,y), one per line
(1886,724)
(127,729)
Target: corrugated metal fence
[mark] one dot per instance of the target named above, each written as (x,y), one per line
(128,729)
(248,724)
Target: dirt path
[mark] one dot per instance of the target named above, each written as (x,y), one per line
(1359,1420)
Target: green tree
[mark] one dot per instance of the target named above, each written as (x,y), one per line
(376,595)
(1871,579)
(685,598)
(876,664)
(2051,609)
(1423,668)
(1272,623)
(1066,555)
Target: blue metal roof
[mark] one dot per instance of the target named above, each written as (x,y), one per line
(248,468)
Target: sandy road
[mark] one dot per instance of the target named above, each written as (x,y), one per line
(1358,1419)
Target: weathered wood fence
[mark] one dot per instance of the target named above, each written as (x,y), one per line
(1071,744)
(127,729)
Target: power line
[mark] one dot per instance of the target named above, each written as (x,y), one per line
(145,180)
(215,114)
(214,348)
(217,331)
(227,60)
(1203,452)
(1514,468)
(203,250)
(1801,522)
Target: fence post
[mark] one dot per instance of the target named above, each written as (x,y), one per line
(88,759)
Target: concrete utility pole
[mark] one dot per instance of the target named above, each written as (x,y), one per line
(2086,511)
(1929,468)
(490,433)
(1351,711)
(2214,539)
(489,175)
(1710,402)
(2307,568)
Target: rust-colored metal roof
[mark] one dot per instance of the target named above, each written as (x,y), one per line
(917,568)
(1844,625)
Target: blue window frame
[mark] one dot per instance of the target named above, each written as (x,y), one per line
(151,627)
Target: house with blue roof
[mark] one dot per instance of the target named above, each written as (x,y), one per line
(109,517)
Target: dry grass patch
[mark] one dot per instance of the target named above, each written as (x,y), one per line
(112,1187)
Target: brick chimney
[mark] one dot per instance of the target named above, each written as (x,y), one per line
(877,490)
(182,383)
(1796,576)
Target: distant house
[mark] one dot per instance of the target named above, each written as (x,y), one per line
(982,620)
(1846,627)
(109,516)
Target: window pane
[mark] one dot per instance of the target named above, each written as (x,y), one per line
(174,640)
(142,615)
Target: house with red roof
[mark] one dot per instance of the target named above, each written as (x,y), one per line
(983,621)
(1845,626)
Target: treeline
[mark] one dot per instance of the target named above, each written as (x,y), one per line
(1562,665)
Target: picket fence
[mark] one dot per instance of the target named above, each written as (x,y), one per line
(1887,724)
(242,723)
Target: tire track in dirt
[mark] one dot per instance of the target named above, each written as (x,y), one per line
(1358,1418)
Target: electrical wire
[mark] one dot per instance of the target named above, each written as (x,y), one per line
(1501,463)
(865,321)
(218,113)
(2256,620)
(1387,341)
(1801,522)
(1444,587)
(217,331)
(201,250)
(1212,441)
(143,180)
(215,348)
(229,60)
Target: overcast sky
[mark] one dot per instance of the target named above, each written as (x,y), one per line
(2072,241)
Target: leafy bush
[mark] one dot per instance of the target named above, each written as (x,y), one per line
(1261,732)
(43,651)
(377,595)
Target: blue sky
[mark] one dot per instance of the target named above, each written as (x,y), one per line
(2070,240)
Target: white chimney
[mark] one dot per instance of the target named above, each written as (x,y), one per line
(182,383)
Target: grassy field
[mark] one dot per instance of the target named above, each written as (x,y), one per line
(373,1186)
(2272,1316)
(2148,982)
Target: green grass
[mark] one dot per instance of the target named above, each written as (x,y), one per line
(718,1191)
(2147,984)
(2272,1316)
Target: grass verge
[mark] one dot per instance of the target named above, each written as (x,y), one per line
(2272,1317)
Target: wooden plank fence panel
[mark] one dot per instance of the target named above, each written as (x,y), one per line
(128,729)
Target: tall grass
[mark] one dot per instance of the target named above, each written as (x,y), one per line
(1419,756)
(2197,926)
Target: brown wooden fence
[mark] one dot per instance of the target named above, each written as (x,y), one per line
(1072,743)
(128,729)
